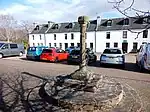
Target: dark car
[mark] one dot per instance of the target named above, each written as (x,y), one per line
(74,56)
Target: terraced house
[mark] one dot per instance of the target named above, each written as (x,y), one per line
(101,34)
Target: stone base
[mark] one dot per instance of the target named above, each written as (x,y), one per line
(99,94)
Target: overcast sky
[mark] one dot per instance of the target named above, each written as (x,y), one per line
(63,10)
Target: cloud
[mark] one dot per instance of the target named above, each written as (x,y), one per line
(65,10)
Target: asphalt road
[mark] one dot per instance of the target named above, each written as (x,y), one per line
(130,75)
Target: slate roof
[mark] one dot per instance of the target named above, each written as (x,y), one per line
(117,24)
(133,24)
(42,29)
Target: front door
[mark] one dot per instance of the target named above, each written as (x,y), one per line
(66,45)
(125,47)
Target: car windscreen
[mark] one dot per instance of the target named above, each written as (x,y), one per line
(1,44)
(75,52)
(32,49)
(112,51)
(47,51)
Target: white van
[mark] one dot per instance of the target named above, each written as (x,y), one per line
(143,57)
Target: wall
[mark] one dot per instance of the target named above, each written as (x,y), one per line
(117,36)
(36,39)
(60,38)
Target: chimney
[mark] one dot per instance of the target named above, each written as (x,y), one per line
(98,20)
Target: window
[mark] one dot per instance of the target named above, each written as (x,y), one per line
(124,34)
(5,46)
(78,44)
(33,37)
(91,45)
(145,33)
(107,45)
(13,46)
(49,44)
(107,35)
(72,44)
(115,44)
(85,35)
(126,22)
(112,51)
(41,44)
(109,22)
(55,45)
(72,36)
(60,45)
(33,44)
(66,36)
(56,26)
(40,37)
(70,25)
(54,36)
(38,44)
(135,44)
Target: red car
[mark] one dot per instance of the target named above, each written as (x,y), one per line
(54,55)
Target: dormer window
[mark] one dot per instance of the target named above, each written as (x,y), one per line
(70,25)
(56,26)
(37,27)
(109,22)
(146,20)
(126,21)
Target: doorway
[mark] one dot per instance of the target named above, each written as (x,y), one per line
(66,45)
(125,47)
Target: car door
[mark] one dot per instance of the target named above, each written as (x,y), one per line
(14,49)
(58,54)
(5,50)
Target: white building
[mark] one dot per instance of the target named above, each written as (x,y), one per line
(100,34)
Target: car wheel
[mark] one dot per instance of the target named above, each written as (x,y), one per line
(141,68)
(56,59)
(1,56)
(20,54)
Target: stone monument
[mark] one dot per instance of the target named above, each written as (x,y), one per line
(85,91)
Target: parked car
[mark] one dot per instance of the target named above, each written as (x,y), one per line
(74,56)
(54,55)
(33,53)
(69,49)
(11,49)
(113,56)
(143,57)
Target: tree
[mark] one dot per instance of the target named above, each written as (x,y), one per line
(127,9)
(7,25)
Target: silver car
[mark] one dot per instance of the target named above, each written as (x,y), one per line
(143,57)
(11,49)
(113,56)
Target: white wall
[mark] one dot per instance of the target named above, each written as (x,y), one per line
(60,38)
(117,36)
(36,39)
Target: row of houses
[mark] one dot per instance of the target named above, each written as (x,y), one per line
(101,34)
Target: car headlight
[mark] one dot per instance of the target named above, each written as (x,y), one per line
(121,58)
(103,57)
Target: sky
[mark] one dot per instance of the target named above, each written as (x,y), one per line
(64,10)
